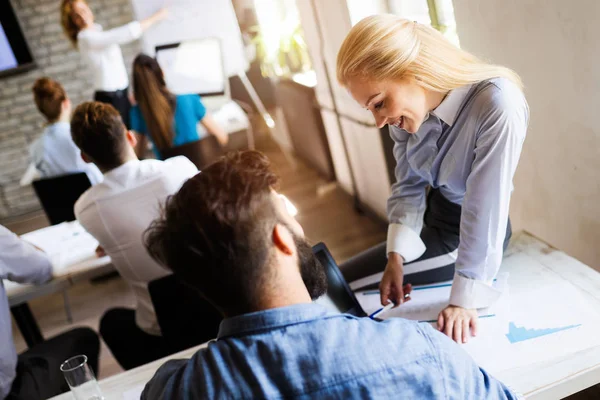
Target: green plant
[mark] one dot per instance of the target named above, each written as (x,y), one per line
(288,58)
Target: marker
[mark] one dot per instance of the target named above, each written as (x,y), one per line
(388,307)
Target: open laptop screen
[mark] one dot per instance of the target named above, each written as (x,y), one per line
(339,297)
(193,67)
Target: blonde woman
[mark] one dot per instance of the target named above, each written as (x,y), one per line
(102,52)
(458,125)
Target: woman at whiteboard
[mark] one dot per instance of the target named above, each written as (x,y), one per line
(168,120)
(458,125)
(101,52)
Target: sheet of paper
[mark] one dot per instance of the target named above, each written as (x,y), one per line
(426,301)
(66,244)
(134,393)
(540,325)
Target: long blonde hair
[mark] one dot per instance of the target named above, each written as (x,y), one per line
(387,47)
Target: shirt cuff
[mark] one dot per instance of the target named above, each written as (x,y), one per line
(404,241)
(135,29)
(471,293)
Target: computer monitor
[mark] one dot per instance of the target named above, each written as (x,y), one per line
(195,66)
(339,296)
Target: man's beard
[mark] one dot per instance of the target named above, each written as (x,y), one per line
(312,272)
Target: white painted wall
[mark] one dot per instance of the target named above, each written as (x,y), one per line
(555,46)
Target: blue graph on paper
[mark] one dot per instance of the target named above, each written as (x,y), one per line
(519,334)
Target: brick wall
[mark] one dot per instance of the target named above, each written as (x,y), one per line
(20,122)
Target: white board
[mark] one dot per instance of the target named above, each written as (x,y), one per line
(194,19)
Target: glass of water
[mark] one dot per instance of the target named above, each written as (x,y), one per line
(81,379)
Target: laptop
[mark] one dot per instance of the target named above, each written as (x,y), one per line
(196,66)
(339,296)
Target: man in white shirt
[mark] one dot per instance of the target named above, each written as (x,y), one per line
(34,374)
(117,212)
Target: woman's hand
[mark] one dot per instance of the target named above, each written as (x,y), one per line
(154,18)
(222,138)
(215,129)
(458,323)
(100,252)
(391,286)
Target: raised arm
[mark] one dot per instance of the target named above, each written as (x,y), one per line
(122,34)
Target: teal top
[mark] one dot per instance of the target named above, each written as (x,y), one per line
(189,110)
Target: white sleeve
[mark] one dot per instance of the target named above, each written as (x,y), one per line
(121,35)
(486,203)
(20,261)
(406,205)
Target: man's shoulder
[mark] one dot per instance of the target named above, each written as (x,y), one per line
(180,165)
(87,200)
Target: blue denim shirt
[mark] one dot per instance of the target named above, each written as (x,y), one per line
(304,351)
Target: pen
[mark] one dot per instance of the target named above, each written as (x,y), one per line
(389,306)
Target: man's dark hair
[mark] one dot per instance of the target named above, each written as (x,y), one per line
(216,232)
(99,132)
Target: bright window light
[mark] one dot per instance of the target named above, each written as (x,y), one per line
(289,206)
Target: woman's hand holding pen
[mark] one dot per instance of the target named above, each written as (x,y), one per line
(391,286)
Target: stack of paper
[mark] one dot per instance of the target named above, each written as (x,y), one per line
(66,244)
(541,325)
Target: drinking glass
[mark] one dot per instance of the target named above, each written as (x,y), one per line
(81,379)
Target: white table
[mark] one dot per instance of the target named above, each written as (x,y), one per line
(21,293)
(87,266)
(552,380)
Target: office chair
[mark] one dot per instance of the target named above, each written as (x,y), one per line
(201,153)
(59,194)
(185,318)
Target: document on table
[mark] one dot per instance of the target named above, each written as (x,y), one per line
(426,301)
(134,393)
(541,325)
(66,244)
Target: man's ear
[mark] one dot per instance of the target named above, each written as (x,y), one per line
(283,240)
(66,104)
(131,138)
(85,158)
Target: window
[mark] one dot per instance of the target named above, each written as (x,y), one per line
(437,13)
(280,41)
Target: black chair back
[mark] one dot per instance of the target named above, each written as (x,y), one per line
(185,318)
(59,194)
(201,153)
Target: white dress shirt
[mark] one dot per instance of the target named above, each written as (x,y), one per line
(102,53)
(23,263)
(469,148)
(118,211)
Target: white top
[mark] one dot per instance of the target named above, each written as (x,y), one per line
(102,53)
(118,211)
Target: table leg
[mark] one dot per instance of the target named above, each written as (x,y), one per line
(27,324)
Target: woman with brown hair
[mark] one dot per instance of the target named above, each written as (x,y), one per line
(169,120)
(100,49)
(54,153)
